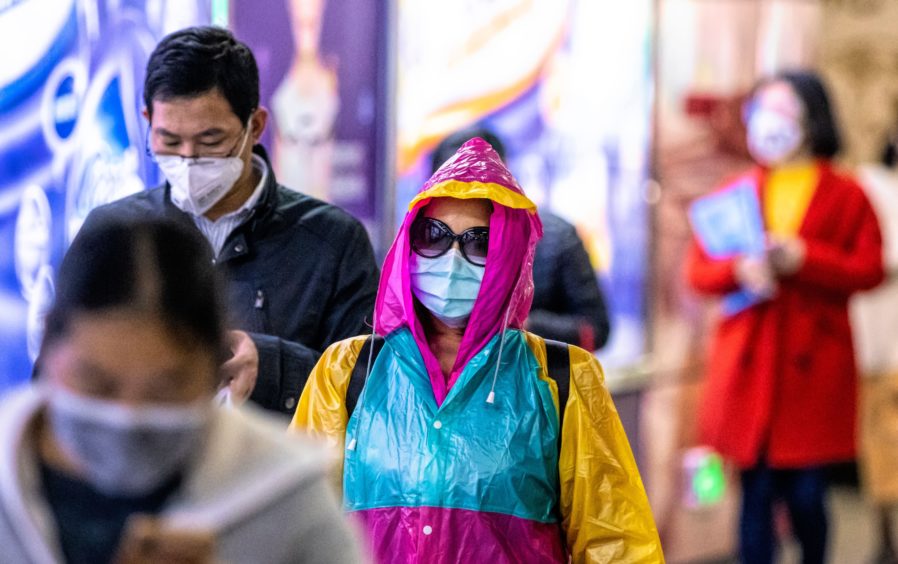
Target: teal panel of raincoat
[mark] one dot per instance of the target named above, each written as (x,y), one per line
(465,454)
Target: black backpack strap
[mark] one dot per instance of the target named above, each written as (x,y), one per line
(357,378)
(558,364)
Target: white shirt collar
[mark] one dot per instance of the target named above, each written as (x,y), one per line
(260,166)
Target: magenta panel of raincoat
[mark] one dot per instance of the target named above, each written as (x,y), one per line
(459,535)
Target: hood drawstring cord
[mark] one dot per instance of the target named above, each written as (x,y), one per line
(491,398)
(370,353)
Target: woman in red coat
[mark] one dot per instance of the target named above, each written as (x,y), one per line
(780,396)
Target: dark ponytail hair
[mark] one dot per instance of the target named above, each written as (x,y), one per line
(153,266)
(889,155)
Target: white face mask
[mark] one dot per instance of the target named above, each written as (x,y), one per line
(773,137)
(446,285)
(125,450)
(199,183)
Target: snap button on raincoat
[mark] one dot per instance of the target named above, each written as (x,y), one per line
(437,473)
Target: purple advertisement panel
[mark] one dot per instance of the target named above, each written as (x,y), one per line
(319,62)
(72,138)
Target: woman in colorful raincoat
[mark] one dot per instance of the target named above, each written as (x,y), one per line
(454,451)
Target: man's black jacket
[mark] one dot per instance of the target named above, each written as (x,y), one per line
(301,275)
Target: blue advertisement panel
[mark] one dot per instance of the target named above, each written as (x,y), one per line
(567,86)
(72,138)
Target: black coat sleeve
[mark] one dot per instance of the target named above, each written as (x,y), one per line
(284,365)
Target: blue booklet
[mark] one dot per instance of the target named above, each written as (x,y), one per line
(729,223)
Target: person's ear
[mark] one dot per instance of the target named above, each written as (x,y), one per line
(146,114)
(257,123)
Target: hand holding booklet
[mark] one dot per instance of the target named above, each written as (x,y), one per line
(727,224)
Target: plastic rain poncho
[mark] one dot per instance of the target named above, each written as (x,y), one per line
(436,472)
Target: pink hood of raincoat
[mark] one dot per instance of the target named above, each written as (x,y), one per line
(475,171)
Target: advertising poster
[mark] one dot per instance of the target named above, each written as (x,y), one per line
(566,84)
(320,62)
(72,138)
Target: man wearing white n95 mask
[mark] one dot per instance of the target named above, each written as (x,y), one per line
(302,273)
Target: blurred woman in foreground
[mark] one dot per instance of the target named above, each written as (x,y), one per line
(116,453)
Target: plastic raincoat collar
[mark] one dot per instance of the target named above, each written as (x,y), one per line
(475,171)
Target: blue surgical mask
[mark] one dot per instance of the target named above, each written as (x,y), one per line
(446,285)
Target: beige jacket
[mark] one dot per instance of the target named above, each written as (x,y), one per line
(874,314)
(261,491)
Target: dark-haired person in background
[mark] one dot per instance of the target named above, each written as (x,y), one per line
(116,452)
(302,272)
(780,393)
(568,304)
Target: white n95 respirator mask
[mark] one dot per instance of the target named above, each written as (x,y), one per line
(199,183)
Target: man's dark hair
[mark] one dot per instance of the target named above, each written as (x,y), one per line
(820,123)
(451,144)
(196,60)
(154,266)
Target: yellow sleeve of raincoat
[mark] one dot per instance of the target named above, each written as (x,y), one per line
(605,513)
(321,411)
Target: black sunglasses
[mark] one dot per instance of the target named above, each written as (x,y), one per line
(432,238)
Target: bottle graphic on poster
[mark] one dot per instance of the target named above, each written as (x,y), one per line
(305,106)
